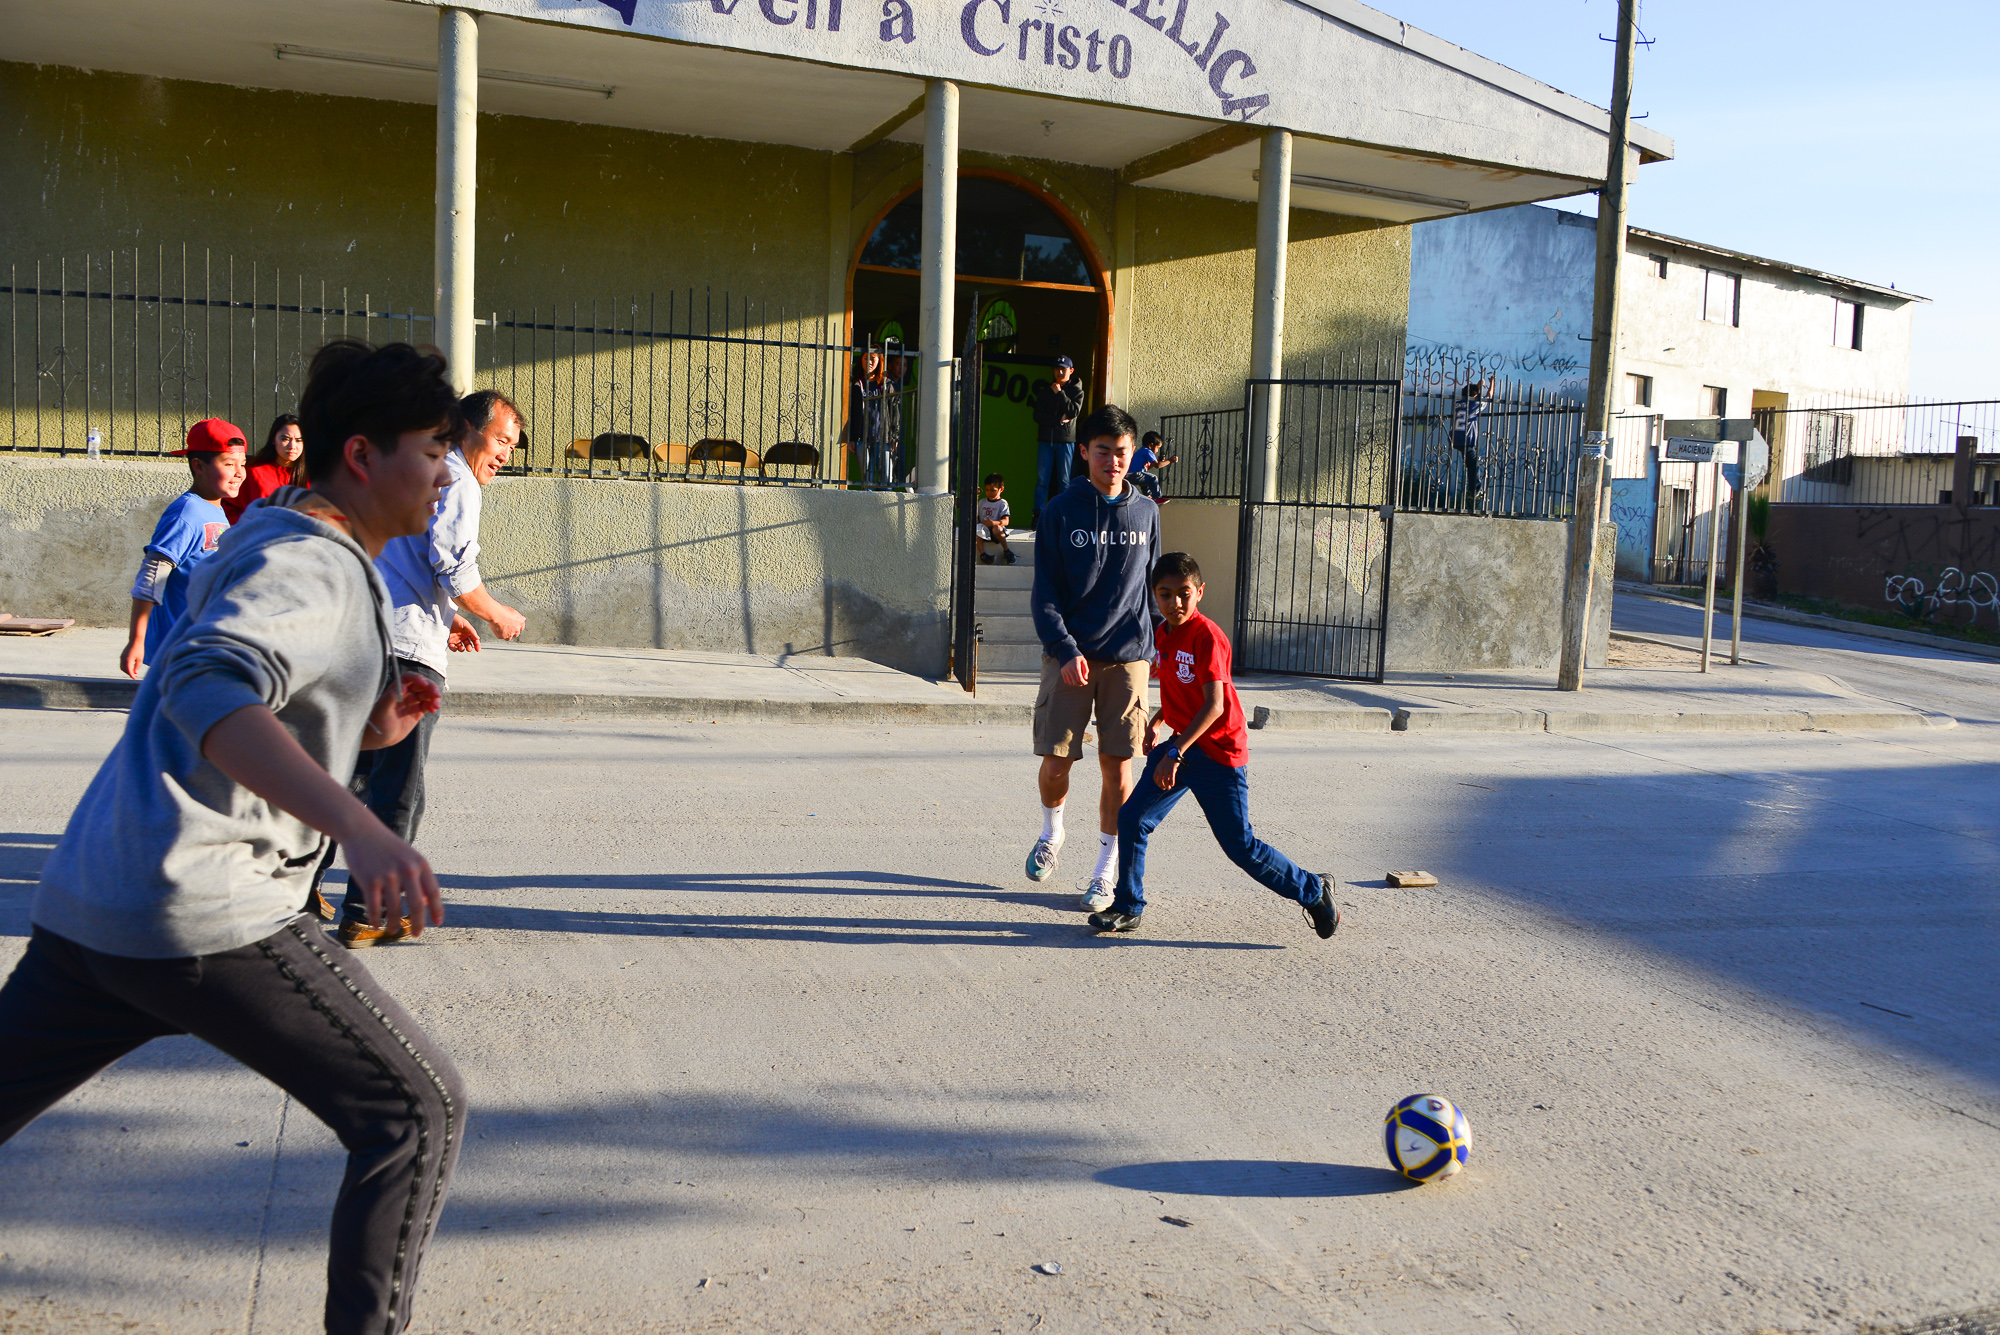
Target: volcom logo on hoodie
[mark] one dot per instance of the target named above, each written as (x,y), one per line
(1081,537)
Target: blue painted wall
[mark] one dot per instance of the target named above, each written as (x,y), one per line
(1504,293)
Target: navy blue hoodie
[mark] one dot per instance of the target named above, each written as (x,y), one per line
(1092,559)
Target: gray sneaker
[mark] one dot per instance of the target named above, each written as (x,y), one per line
(1097,895)
(1042,859)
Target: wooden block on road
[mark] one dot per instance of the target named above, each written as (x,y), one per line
(1412,880)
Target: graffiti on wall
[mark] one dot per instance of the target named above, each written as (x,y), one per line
(1957,593)
(1447,366)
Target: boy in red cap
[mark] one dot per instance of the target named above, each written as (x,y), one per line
(186,533)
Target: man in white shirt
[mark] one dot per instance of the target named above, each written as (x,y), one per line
(430,578)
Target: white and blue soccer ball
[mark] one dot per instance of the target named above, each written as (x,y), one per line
(1427,1137)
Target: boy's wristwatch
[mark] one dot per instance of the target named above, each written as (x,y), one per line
(1174,753)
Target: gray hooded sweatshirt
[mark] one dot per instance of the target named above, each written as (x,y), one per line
(166,856)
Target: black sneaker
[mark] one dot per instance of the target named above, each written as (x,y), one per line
(1009,558)
(1111,920)
(1322,913)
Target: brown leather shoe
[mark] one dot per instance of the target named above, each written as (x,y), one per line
(356,934)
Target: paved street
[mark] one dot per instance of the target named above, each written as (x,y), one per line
(1966,686)
(766,1031)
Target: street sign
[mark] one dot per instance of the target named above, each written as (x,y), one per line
(1682,449)
(1712,428)
(1756,456)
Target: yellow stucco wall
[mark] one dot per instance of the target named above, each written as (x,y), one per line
(1347,291)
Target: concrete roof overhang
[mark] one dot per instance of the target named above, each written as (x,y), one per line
(1637,236)
(1390,122)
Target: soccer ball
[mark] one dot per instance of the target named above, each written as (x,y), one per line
(1427,1137)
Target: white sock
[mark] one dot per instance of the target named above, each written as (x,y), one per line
(1107,856)
(1052,824)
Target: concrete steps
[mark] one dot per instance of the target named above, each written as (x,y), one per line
(1007,630)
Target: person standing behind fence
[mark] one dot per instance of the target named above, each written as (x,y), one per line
(868,427)
(1471,402)
(1058,403)
(281,463)
(188,531)
(429,577)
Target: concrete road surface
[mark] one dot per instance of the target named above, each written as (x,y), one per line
(766,1032)
(1966,686)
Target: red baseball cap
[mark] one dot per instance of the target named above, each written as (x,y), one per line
(212,435)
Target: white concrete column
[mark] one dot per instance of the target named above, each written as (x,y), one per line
(1267,330)
(937,284)
(457,186)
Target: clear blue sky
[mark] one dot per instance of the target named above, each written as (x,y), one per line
(1857,138)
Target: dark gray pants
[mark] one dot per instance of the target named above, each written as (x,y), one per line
(390,783)
(302,1012)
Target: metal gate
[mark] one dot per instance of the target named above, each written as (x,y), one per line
(1318,517)
(967,376)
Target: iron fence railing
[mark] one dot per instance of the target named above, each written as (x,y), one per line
(117,353)
(696,387)
(1517,462)
(121,351)
(1840,451)
(1207,449)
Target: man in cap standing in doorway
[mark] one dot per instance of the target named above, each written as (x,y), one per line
(1058,403)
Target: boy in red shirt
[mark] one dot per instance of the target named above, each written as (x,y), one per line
(1205,754)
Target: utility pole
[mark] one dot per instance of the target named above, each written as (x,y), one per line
(1603,352)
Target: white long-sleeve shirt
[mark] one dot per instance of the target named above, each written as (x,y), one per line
(425,573)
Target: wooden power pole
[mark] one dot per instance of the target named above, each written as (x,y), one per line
(1603,353)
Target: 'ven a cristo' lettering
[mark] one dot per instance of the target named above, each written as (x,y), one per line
(983,25)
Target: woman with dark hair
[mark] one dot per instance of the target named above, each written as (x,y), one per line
(869,435)
(281,463)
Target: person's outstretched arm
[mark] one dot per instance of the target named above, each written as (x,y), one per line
(256,751)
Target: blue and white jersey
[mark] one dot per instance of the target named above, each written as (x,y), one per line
(185,536)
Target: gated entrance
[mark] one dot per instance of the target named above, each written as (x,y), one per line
(1318,517)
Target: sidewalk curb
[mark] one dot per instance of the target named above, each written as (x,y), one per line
(99,693)
(26,692)
(1759,612)
(1635,721)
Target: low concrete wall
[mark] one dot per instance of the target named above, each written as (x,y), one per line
(1466,592)
(1209,531)
(1935,561)
(672,565)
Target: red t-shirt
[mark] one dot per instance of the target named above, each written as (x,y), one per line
(259,481)
(1184,662)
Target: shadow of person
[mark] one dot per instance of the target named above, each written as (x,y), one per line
(1255,1177)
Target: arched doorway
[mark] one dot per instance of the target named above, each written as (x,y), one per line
(1042,293)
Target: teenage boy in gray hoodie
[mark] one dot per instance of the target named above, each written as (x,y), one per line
(1094,546)
(171,903)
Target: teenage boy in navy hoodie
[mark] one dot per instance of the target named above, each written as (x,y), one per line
(171,904)
(1094,545)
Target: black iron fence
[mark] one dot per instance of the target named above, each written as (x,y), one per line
(1843,451)
(1316,526)
(119,352)
(1207,453)
(1515,458)
(1517,462)
(696,386)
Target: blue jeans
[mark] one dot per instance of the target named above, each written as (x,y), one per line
(1053,459)
(1224,794)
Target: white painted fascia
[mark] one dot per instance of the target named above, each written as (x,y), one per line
(1652,145)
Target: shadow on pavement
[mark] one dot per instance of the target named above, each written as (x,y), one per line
(1255,1177)
(843,929)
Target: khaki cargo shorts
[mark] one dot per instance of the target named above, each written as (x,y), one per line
(1062,712)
